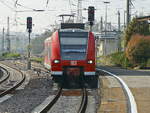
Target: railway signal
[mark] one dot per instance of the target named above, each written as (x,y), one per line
(91,16)
(91,13)
(29,28)
(29,24)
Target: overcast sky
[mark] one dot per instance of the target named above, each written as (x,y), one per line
(44,20)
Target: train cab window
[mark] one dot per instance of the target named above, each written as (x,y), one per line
(73,45)
(73,41)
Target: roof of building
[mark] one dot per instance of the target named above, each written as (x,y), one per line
(107,35)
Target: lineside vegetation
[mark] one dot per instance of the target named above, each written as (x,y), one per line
(136,40)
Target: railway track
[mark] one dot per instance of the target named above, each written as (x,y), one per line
(84,101)
(130,101)
(5,75)
(51,104)
(35,67)
(14,86)
(48,107)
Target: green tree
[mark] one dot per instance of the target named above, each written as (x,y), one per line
(136,27)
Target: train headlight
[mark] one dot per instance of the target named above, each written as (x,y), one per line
(90,62)
(56,61)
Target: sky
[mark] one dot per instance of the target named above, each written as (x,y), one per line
(45,20)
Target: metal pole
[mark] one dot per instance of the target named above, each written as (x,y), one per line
(105,26)
(105,29)
(29,52)
(8,39)
(124,19)
(105,19)
(91,28)
(118,21)
(119,30)
(3,33)
(128,12)
(79,12)
(101,25)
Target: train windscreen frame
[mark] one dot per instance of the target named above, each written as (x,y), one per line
(73,44)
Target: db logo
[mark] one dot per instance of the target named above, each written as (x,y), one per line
(73,63)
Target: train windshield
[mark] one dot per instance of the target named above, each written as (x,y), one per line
(73,45)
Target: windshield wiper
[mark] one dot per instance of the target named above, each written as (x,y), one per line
(74,51)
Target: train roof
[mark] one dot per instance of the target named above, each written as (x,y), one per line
(72,25)
(72,30)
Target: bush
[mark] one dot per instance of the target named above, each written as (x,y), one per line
(104,60)
(115,59)
(119,59)
(138,50)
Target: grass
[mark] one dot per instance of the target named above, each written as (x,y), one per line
(36,59)
(10,55)
(116,59)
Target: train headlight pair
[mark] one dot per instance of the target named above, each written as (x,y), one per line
(90,62)
(56,61)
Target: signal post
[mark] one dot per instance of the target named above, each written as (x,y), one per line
(29,29)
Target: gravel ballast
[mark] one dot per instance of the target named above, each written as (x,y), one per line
(25,100)
(37,90)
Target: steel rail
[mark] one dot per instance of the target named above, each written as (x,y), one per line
(50,105)
(15,86)
(132,107)
(34,67)
(7,76)
(84,101)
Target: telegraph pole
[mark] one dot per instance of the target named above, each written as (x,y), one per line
(128,12)
(8,39)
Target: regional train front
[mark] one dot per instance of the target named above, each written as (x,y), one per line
(70,55)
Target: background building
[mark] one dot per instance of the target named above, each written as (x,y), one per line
(107,43)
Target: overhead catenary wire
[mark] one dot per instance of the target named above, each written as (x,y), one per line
(26,7)
(7,5)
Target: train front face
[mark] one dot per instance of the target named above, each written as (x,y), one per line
(77,55)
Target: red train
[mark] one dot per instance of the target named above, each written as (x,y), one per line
(70,56)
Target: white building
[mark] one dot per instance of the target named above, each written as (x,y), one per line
(107,43)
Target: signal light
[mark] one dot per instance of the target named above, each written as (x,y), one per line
(91,13)
(29,23)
